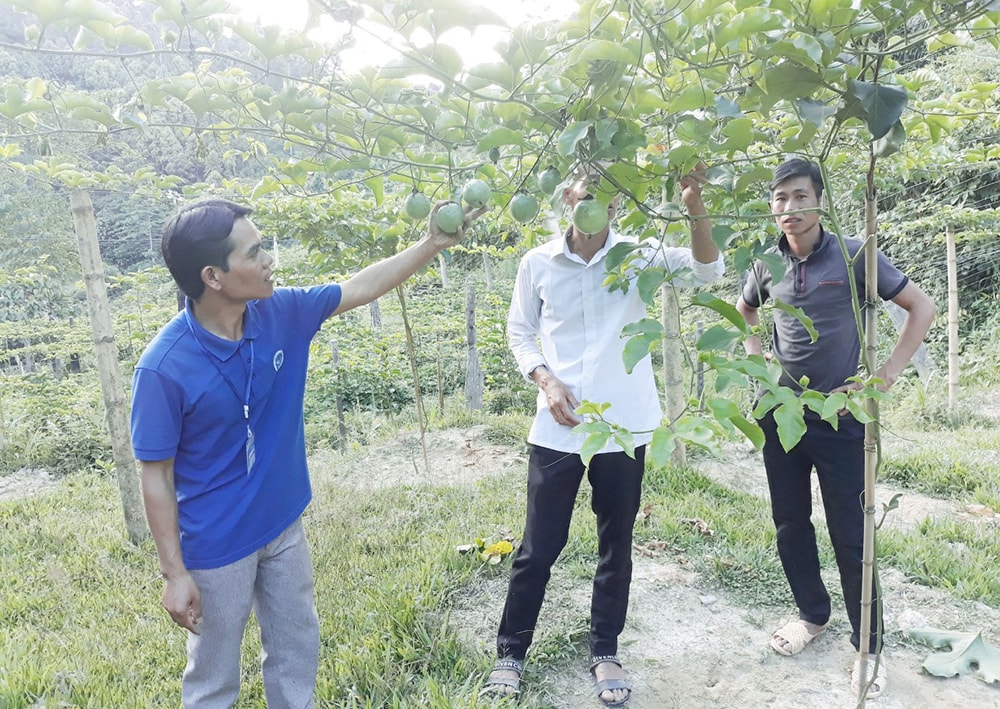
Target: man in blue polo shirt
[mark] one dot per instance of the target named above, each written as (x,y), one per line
(217,426)
(817,280)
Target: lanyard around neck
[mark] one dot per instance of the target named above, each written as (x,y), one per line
(232,387)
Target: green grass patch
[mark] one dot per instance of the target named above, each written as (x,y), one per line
(960,466)
(956,556)
(80,605)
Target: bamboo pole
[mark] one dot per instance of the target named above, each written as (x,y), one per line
(871,444)
(953,372)
(673,377)
(108,368)
(339,398)
(474,379)
(411,353)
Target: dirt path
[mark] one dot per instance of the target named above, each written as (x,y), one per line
(686,645)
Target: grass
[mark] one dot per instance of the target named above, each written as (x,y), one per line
(406,621)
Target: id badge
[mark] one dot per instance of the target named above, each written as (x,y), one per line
(251,450)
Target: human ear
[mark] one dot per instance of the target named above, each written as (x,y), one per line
(210,277)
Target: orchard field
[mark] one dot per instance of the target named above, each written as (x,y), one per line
(114,112)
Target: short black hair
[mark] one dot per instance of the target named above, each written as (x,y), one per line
(798,167)
(197,235)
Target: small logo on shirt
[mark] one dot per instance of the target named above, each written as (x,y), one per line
(279,359)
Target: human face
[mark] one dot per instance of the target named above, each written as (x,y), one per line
(251,268)
(791,195)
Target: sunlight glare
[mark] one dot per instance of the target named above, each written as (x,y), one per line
(476,47)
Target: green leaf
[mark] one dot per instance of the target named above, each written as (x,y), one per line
(718,337)
(593,445)
(800,315)
(377,186)
(775,265)
(603,50)
(644,336)
(125,35)
(649,282)
(491,73)
(760,173)
(624,438)
(739,133)
(789,80)
(498,137)
(723,308)
(662,446)
(592,408)
(791,424)
(882,105)
(891,142)
(573,134)
(832,405)
(813,111)
(727,108)
(696,431)
(750,429)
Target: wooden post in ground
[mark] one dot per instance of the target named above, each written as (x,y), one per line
(673,377)
(107,365)
(474,382)
(339,399)
(952,318)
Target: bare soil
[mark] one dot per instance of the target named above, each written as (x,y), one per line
(686,645)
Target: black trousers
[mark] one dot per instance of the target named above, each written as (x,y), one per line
(553,482)
(838,457)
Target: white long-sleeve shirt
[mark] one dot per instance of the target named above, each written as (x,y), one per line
(563,316)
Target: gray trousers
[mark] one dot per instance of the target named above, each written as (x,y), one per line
(276,582)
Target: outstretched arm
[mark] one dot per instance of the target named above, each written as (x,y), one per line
(379,278)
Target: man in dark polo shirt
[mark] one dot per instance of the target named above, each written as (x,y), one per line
(817,281)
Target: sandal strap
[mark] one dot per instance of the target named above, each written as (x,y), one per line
(509,663)
(596,660)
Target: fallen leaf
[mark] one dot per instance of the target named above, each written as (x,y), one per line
(968,653)
(700,526)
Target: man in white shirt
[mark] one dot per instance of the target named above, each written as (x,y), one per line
(564,329)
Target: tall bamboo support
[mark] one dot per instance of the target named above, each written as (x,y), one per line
(952,318)
(673,375)
(108,368)
(871,445)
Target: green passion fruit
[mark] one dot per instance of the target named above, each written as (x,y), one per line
(476,193)
(450,217)
(417,206)
(548,180)
(494,155)
(523,207)
(590,216)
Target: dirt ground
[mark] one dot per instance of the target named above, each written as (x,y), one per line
(686,646)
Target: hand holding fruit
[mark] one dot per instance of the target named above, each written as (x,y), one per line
(449,221)
(691,189)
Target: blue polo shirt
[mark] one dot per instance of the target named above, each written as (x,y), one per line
(188,396)
(819,285)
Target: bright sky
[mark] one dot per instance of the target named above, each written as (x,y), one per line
(476,46)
